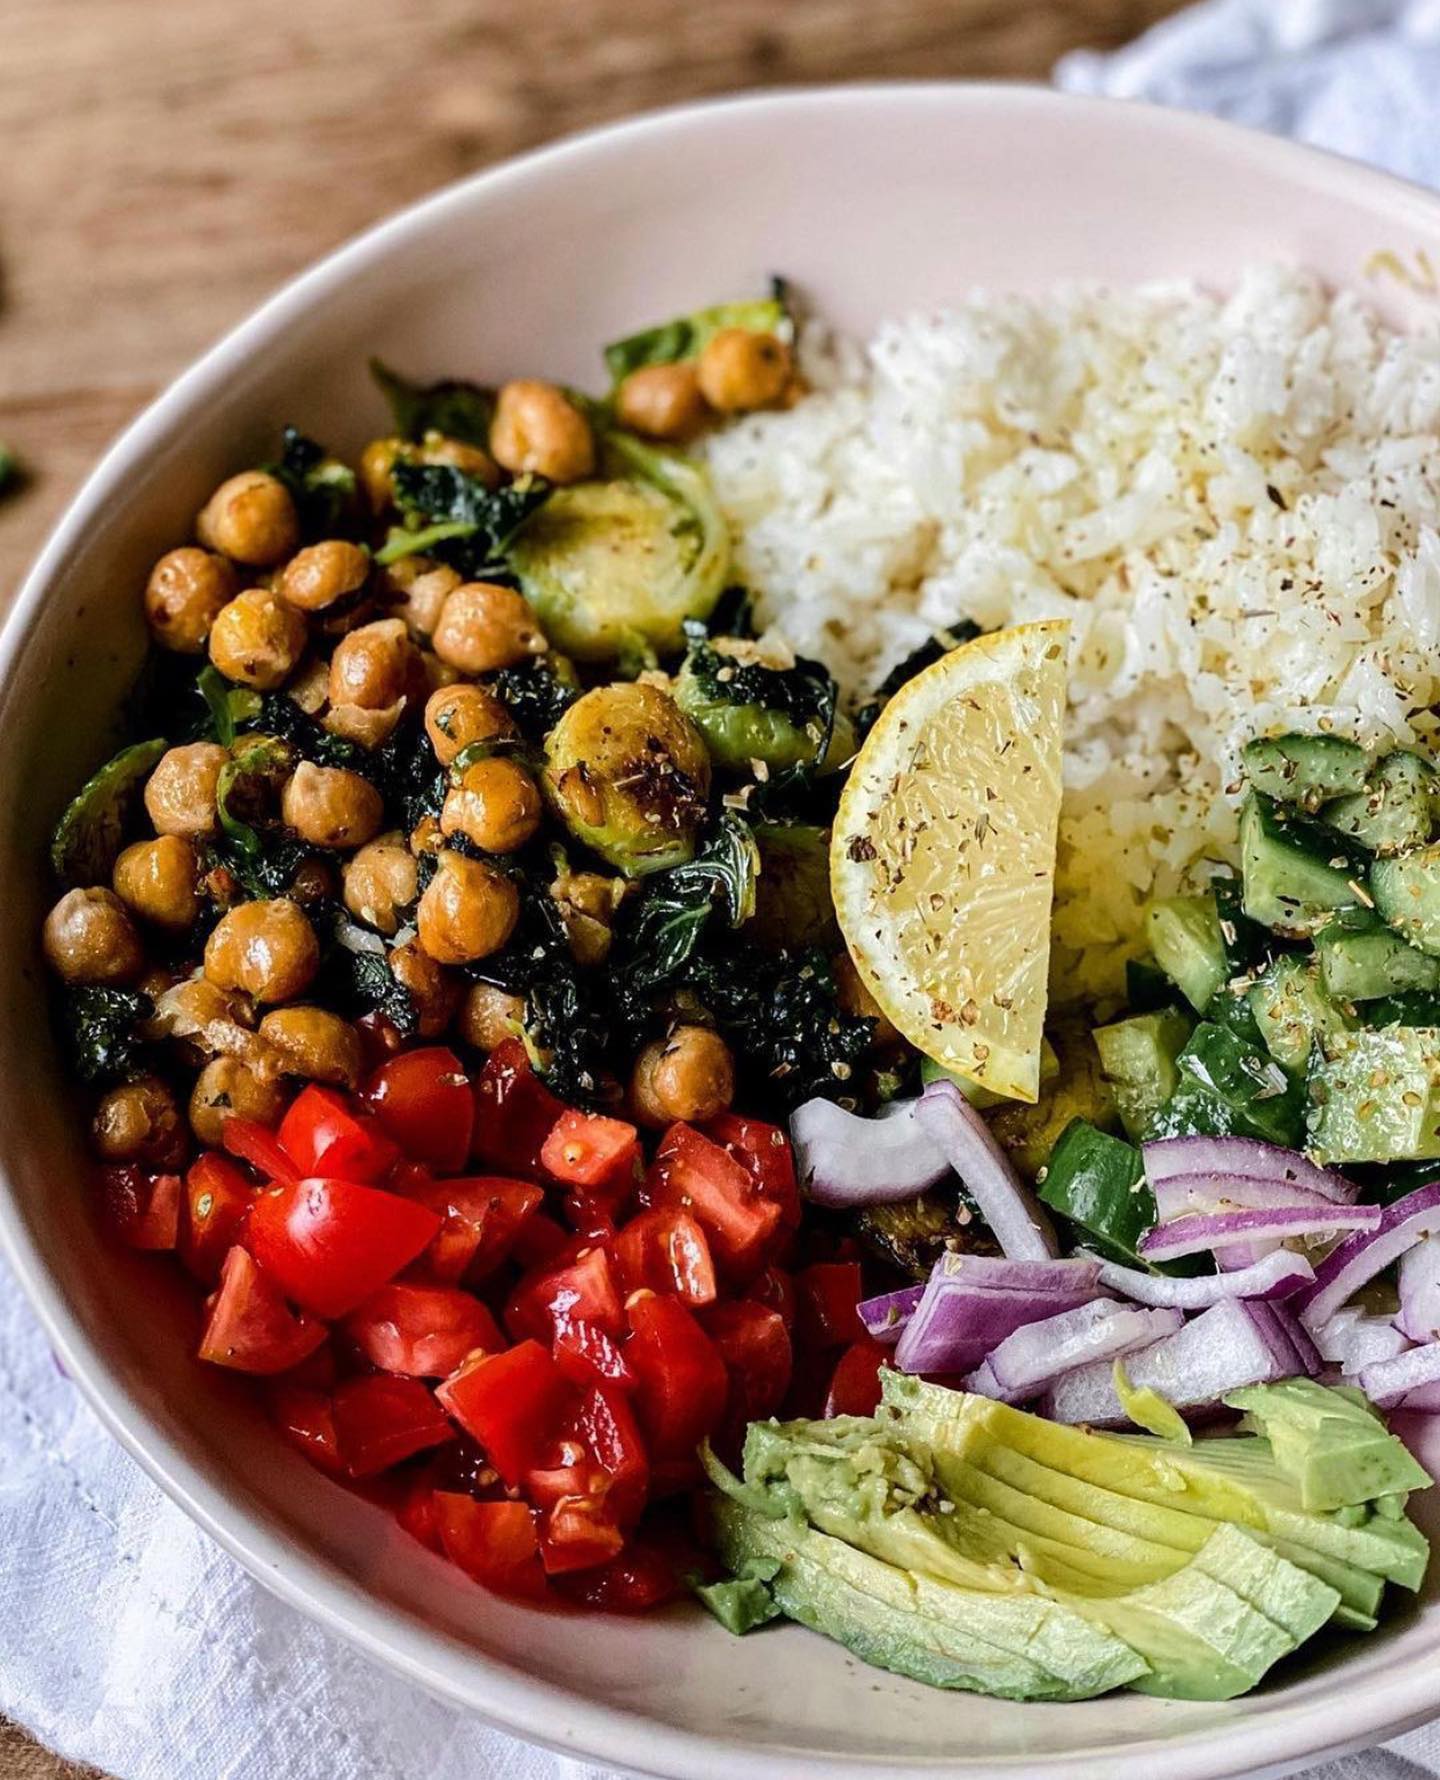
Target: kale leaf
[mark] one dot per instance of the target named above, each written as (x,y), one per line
(802,693)
(534,694)
(929,652)
(675,907)
(100,1029)
(323,489)
(279,715)
(411,780)
(458,410)
(455,518)
(363,983)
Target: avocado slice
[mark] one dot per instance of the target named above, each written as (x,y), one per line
(1332,1445)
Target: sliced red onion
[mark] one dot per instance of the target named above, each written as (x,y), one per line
(1243,1158)
(844,1160)
(1421,1436)
(1352,1340)
(1240,1255)
(1177,1195)
(1015,1216)
(1069,1274)
(1279,1275)
(1291,1339)
(983,1382)
(1360,1257)
(884,1317)
(1388,1381)
(1426,1398)
(1207,1230)
(956,1325)
(1419,1313)
(1034,1356)
(1233,1343)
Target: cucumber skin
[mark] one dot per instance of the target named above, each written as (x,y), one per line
(1295,872)
(1305,770)
(1393,811)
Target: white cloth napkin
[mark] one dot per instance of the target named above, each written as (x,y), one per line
(126,1638)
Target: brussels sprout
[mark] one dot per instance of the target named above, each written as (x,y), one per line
(616,567)
(88,837)
(792,897)
(748,709)
(688,335)
(628,774)
(912,1234)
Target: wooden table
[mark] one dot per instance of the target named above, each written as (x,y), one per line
(168,162)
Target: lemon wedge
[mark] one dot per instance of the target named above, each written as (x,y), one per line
(942,857)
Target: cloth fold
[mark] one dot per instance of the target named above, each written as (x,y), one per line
(126,1638)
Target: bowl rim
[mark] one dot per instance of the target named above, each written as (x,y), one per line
(519,1704)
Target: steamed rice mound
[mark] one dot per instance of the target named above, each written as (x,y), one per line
(1234,501)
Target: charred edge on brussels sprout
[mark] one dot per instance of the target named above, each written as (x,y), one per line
(457,409)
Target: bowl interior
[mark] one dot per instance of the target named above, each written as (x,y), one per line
(875,201)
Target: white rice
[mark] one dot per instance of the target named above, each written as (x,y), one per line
(1235,502)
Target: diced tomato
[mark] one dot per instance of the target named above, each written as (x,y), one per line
(580,1289)
(599,1154)
(317,1371)
(426,1104)
(305,1416)
(494,1542)
(641,1577)
(250,1327)
(587,1355)
(481,1217)
(690,1173)
(513,1403)
(379,1038)
(257,1144)
(514,1111)
(578,1534)
(380,1420)
(855,1383)
(422,1331)
(418,1515)
(410,1180)
(666,1251)
(143,1209)
(682,1379)
(755,1347)
(539,1240)
(775,1289)
(606,1424)
(330,1243)
(323,1133)
(592,1218)
(825,1299)
(577,1475)
(764,1152)
(217,1201)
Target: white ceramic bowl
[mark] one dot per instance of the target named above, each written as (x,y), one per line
(875,200)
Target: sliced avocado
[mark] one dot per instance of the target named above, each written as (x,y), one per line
(1359,1590)
(1361,959)
(1334,1448)
(1184,934)
(1292,1009)
(1392,813)
(1407,894)
(1375,1096)
(1294,871)
(1305,770)
(1137,1057)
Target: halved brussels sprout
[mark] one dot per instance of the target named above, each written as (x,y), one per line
(750,711)
(89,835)
(616,567)
(628,774)
(792,896)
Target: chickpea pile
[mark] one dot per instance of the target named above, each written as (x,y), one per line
(360,648)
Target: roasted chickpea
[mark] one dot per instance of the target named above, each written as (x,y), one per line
(268,949)
(437,448)
(377,463)
(314,578)
(690,1075)
(315,881)
(855,998)
(456,716)
(416,590)
(330,806)
(89,938)
(484,626)
(186,590)
(496,805)
(661,401)
(488,1016)
(468,910)
(433,990)
(140,1121)
(426,837)
(180,793)
(314,1043)
(257,639)
(251,519)
(538,428)
(370,667)
(226,1089)
(740,369)
(158,879)
(381,882)
(587,901)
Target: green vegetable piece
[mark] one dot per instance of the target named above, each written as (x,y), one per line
(687,336)
(1291,1010)
(792,896)
(1393,812)
(1363,960)
(676,906)
(615,565)
(100,1029)
(748,711)
(1305,770)
(1098,1183)
(1294,871)
(458,410)
(1148,1409)
(230,706)
(1077,1090)
(89,835)
(1416,1008)
(1184,934)
(1331,1444)
(1407,896)
(1375,1096)
(248,789)
(323,488)
(744,1602)
(1231,1086)
(1137,1057)
(1147,988)
(454,517)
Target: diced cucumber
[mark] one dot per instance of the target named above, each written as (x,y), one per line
(1417,1008)
(1376,1096)
(1392,813)
(1185,936)
(1292,1010)
(1231,1087)
(1147,988)
(1407,894)
(1138,1059)
(1295,871)
(1098,1182)
(1361,960)
(1248,946)
(1305,770)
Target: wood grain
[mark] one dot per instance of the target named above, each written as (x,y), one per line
(169,162)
